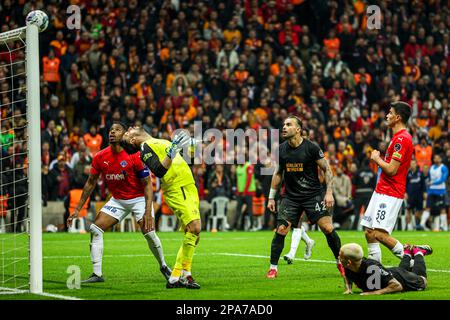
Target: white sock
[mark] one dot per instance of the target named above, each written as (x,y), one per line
(173,279)
(296,236)
(424,218)
(436,223)
(374,251)
(155,247)
(398,250)
(305,236)
(444,223)
(185,273)
(274,266)
(96,248)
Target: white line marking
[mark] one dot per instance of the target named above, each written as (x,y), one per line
(204,254)
(45,294)
(297,259)
(58,296)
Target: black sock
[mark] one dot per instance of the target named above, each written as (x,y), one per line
(419,267)
(277,248)
(405,262)
(334,242)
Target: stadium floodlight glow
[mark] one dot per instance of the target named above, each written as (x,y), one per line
(29,36)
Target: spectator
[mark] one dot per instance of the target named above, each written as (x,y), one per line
(59,179)
(219,184)
(51,70)
(93,140)
(342,192)
(246,189)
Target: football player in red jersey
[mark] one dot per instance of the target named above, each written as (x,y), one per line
(382,212)
(130,184)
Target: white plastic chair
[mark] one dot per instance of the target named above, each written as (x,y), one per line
(128,221)
(78,226)
(167,222)
(2,224)
(218,212)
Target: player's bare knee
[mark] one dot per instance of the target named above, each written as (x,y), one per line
(326,228)
(283,228)
(370,235)
(380,236)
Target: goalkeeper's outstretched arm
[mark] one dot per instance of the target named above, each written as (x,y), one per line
(150,158)
(89,186)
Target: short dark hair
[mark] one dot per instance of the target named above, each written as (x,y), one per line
(402,109)
(120,123)
(297,119)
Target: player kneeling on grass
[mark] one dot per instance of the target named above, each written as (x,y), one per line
(179,190)
(373,278)
(129,182)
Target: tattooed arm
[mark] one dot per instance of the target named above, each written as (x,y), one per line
(325,167)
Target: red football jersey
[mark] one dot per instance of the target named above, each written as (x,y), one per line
(400,149)
(122,173)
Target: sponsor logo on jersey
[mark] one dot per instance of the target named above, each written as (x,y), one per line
(397,155)
(294,167)
(382,205)
(115,177)
(397,147)
(123,163)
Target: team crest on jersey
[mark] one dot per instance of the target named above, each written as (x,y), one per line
(397,147)
(123,164)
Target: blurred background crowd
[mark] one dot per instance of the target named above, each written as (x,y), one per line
(234,64)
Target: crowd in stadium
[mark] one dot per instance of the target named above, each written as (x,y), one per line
(235,64)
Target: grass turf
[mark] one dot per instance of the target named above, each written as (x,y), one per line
(228,265)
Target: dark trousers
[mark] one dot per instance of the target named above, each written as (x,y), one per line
(17,217)
(419,267)
(239,218)
(341,214)
(359,201)
(269,218)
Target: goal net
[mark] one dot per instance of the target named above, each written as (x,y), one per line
(20,182)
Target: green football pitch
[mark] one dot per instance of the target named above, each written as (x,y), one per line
(228,265)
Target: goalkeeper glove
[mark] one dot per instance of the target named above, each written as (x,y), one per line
(179,142)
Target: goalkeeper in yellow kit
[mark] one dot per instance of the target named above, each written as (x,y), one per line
(177,183)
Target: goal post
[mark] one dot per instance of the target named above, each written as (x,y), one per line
(29,36)
(34,157)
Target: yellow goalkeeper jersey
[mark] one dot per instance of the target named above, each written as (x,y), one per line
(153,151)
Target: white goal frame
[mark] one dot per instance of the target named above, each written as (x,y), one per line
(31,34)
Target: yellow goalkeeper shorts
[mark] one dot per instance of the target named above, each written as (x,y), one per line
(184,202)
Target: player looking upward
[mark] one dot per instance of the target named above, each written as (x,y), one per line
(129,182)
(382,212)
(179,190)
(298,169)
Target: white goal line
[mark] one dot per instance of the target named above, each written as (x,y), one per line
(9,291)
